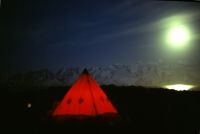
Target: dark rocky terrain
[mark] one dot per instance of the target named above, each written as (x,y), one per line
(142,110)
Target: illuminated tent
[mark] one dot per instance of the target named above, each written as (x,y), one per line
(85,98)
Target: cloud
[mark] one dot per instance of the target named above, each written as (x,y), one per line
(152,18)
(126,18)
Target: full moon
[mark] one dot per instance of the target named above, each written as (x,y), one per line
(178,36)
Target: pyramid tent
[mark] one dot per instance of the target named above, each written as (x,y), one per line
(86,98)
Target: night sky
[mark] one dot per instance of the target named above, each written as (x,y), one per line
(38,34)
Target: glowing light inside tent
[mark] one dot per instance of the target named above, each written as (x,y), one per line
(179,87)
(29,105)
(86,98)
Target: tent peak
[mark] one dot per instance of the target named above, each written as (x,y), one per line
(85,71)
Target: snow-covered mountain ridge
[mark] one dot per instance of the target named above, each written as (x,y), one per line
(117,74)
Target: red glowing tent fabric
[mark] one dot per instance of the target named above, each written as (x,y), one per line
(85,98)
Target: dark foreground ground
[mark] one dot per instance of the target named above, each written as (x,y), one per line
(142,111)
